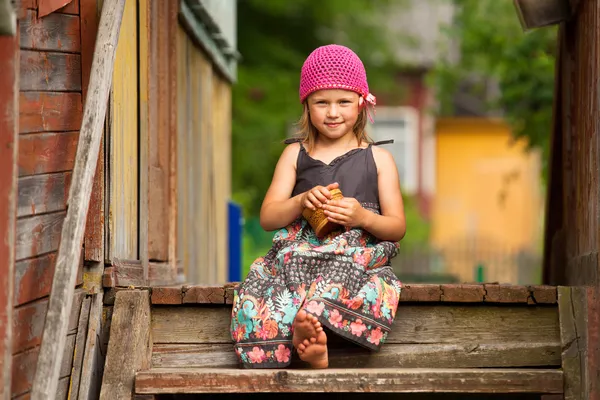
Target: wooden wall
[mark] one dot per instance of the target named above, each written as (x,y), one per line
(49,122)
(572,240)
(203,164)
(9,95)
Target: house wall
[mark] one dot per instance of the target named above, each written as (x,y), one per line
(488,201)
(204,141)
(50,112)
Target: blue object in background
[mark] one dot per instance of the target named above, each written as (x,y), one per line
(236,225)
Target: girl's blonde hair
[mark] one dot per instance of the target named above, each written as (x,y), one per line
(308,133)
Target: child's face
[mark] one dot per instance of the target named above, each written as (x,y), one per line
(333,112)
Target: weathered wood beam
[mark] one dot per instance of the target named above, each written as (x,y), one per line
(9,111)
(53,340)
(205,380)
(130,344)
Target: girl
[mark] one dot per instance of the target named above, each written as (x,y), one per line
(343,281)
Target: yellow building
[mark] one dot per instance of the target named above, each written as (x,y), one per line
(488,204)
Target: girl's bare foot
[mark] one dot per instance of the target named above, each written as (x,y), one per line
(310,340)
(306,327)
(315,352)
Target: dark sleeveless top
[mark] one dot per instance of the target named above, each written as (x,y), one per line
(355,171)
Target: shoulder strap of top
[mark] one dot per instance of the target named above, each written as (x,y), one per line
(293,140)
(390,141)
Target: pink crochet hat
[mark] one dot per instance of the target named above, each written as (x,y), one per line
(334,67)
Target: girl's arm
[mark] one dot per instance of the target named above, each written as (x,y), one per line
(391,224)
(278,209)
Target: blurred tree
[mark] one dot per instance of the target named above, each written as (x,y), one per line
(493,48)
(274,38)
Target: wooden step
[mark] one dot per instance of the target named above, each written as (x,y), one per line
(235,380)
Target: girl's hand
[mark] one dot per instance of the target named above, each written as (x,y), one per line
(346,212)
(318,196)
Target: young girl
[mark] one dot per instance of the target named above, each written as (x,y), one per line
(343,281)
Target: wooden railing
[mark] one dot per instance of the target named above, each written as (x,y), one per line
(61,298)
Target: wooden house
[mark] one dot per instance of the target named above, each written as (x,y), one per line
(113,179)
(158,207)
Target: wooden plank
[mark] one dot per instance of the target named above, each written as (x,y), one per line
(53,341)
(33,278)
(25,5)
(80,340)
(167,295)
(130,344)
(38,235)
(9,55)
(462,293)
(62,393)
(144,73)
(158,381)
(45,7)
(573,334)
(173,26)
(29,322)
(94,228)
(56,32)
(421,293)
(160,134)
(93,360)
(24,366)
(202,294)
(451,293)
(71,8)
(47,111)
(49,71)
(390,356)
(40,194)
(415,323)
(123,179)
(47,152)
(506,294)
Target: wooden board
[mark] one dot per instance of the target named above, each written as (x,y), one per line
(157,381)
(129,347)
(47,152)
(79,351)
(415,324)
(411,293)
(46,111)
(160,133)
(62,392)
(40,194)
(33,278)
(49,71)
(94,228)
(55,32)
(123,179)
(46,7)
(391,356)
(29,322)
(9,56)
(38,234)
(93,359)
(24,366)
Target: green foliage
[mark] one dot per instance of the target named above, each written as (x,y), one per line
(493,45)
(417,228)
(275,37)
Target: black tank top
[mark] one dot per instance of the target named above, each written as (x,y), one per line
(355,171)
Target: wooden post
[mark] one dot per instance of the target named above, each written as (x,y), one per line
(129,346)
(9,111)
(69,252)
(573,311)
